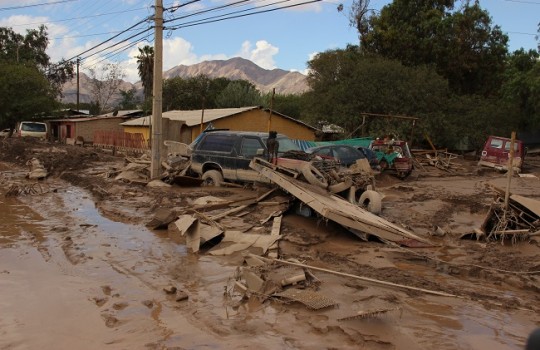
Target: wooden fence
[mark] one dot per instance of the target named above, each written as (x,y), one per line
(121,141)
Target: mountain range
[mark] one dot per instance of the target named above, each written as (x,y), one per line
(285,82)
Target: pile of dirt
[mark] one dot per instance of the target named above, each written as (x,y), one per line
(56,157)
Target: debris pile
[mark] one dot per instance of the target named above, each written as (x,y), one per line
(517,219)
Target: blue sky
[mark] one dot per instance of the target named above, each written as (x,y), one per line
(284,39)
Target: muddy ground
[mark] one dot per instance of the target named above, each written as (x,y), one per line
(79,269)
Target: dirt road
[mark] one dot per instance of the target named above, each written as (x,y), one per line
(78,269)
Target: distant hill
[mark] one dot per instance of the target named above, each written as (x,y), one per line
(237,68)
(265,80)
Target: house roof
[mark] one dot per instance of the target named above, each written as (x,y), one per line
(87,119)
(192,118)
(122,113)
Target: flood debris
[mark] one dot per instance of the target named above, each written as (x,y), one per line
(363,314)
(515,217)
(36,170)
(26,190)
(162,218)
(313,300)
(337,209)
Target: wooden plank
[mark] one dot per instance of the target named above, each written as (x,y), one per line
(339,210)
(276,226)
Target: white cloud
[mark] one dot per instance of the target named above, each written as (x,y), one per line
(262,54)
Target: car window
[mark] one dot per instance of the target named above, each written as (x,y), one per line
(250,146)
(507,146)
(33,127)
(324,152)
(346,153)
(496,143)
(218,143)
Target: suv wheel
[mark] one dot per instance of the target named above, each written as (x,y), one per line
(212,178)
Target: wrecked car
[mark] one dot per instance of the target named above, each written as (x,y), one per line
(393,155)
(225,155)
(496,153)
(346,155)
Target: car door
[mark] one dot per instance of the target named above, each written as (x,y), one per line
(250,146)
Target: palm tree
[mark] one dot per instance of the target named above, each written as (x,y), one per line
(145,66)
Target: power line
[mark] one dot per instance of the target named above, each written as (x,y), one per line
(113,37)
(525,2)
(231,13)
(74,18)
(243,15)
(119,50)
(94,34)
(34,5)
(532,34)
(205,11)
(113,45)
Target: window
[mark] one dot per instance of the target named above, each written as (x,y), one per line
(507,146)
(250,146)
(324,152)
(33,127)
(496,143)
(218,143)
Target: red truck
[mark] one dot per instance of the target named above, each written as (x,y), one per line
(496,153)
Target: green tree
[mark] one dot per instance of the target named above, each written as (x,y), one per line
(145,66)
(345,83)
(289,104)
(521,87)
(30,50)
(129,99)
(239,93)
(463,45)
(24,93)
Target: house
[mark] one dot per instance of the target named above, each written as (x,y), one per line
(67,129)
(185,126)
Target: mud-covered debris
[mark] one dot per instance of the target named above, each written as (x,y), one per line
(36,170)
(181,296)
(170,289)
(312,300)
(157,183)
(369,314)
(162,218)
(515,221)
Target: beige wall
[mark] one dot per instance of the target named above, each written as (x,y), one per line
(257,120)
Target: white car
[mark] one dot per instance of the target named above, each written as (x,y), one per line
(4,132)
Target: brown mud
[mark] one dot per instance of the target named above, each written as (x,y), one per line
(78,268)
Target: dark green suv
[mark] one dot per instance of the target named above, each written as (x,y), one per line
(225,155)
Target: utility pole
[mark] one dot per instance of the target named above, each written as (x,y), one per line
(78,92)
(271,108)
(158,88)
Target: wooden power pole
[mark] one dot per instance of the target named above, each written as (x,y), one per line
(158,89)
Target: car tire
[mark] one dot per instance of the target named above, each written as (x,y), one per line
(371,200)
(314,176)
(383,164)
(212,178)
(341,186)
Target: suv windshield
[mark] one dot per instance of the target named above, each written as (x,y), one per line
(285,144)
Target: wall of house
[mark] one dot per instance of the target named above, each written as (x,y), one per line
(257,120)
(86,129)
(139,129)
